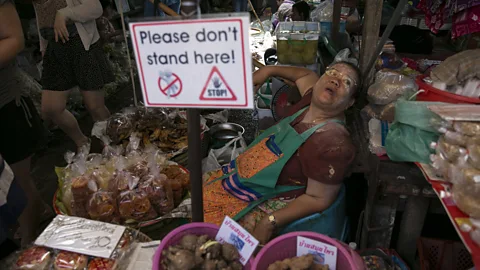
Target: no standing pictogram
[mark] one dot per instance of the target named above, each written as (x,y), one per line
(170,84)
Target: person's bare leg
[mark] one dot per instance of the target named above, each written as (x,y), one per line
(33,213)
(54,108)
(95,104)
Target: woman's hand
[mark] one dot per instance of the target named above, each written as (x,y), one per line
(60,28)
(259,78)
(263,231)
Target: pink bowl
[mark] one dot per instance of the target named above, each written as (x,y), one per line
(285,246)
(176,235)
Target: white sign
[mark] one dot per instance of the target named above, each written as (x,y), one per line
(203,63)
(81,235)
(323,253)
(232,233)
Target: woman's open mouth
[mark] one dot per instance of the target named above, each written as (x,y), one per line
(330,91)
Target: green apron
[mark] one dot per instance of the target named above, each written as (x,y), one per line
(253,175)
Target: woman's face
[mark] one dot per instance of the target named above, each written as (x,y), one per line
(334,90)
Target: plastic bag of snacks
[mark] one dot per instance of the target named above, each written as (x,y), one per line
(158,189)
(389,86)
(119,127)
(466,191)
(179,181)
(102,206)
(134,205)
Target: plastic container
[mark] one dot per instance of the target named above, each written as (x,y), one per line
(285,246)
(297,42)
(326,27)
(198,228)
(443,255)
(433,94)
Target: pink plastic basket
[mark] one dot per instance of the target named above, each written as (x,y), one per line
(285,246)
(176,235)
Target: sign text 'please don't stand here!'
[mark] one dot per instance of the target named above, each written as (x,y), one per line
(204,63)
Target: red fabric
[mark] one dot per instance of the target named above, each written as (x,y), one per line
(325,157)
(466,22)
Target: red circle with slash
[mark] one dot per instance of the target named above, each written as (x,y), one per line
(164,86)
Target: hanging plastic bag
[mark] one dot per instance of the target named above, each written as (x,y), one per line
(323,12)
(218,157)
(416,114)
(219,117)
(408,143)
(344,56)
(389,86)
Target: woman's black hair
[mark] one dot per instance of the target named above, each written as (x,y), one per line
(358,73)
(303,8)
(105,3)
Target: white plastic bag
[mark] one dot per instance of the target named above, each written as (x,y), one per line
(222,156)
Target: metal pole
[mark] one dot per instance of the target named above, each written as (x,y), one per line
(190,8)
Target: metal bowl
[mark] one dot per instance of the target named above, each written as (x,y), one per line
(226,131)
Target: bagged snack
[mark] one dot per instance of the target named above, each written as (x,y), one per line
(159,192)
(134,205)
(148,118)
(67,196)
(103,207)
(457,138)
(102,177)
(466,191)
(34,258)
(179,181)
(81,192)
(139,169)
(122,180)
(70,261)
(450,151)
(467,128)
(389,86)
(133,146)
(119,127)
(102,264)
(474,153)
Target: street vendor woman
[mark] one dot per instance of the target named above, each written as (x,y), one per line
(295,168)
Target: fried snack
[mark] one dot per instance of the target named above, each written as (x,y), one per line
(70,261)
(159,193)
(102,264)
(467,128)
(81,193)
(103,207)
(122,181)
(34,258)
(102,178)
(134,205)
(119,127)
(139,169)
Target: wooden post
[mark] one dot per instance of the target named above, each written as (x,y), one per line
(337,9)
(371,31)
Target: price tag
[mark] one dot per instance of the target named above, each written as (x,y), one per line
(81,235)
(232,233)
(324,254)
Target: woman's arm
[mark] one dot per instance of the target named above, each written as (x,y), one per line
(318,197)
(11,34)
(303,77)
(88,10)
